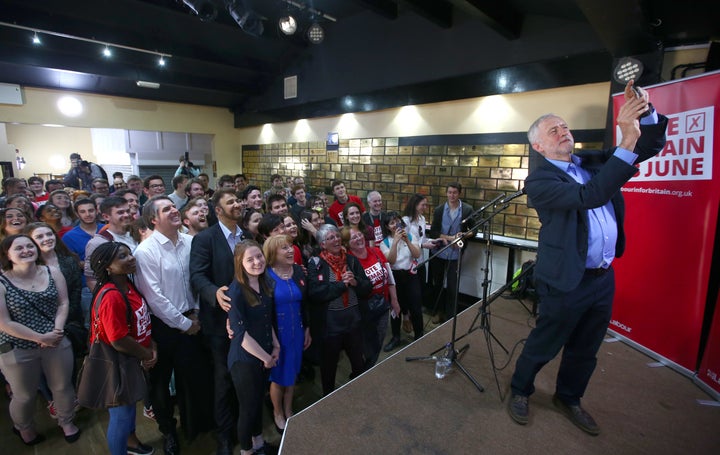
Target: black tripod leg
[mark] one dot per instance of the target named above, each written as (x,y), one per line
(469,376)
(486,328)
(498,342)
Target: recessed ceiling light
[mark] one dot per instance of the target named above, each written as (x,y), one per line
(147,84)
(70,106)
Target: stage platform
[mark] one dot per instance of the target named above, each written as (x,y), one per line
(399,407)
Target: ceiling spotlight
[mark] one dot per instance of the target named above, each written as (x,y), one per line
(287,25)
(107,52)
(36,39)
(161,60)
(315,33)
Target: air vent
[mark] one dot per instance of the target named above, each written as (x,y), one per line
(290,87)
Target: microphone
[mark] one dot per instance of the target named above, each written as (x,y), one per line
(482,209)
(512,196)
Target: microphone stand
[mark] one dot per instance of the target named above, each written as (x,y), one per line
(483,313)
(456,354)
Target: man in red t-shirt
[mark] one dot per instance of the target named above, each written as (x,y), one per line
(341,198)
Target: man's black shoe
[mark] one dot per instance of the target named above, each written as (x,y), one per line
(518,408)
(578,416)
(170,444)
(392,344)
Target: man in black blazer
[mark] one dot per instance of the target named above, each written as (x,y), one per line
(580,206)
(211,272)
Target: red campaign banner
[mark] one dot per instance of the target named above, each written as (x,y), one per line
(709,371)
(671,213)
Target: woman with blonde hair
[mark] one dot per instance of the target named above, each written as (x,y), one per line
(288,281)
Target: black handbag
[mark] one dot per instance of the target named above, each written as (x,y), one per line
(109,378)
(377,307)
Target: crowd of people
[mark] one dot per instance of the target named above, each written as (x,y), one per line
(225,294)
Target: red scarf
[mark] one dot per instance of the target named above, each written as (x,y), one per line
(338,264)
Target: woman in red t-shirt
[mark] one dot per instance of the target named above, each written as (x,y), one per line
(377,269)
(127,332)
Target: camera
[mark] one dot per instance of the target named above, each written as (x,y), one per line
(401,224)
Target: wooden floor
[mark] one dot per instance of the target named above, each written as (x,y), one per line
(94,423)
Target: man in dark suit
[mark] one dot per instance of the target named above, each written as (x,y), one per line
(580,206)
(211,272)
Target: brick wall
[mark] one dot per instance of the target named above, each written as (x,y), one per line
(398,171)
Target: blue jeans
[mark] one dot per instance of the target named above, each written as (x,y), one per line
(120,426)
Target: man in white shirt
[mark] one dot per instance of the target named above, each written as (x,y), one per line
(115,212)
(163,277)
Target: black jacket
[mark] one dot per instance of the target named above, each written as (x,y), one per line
(321,291)
(562,205)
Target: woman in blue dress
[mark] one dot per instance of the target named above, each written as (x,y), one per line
(288,281)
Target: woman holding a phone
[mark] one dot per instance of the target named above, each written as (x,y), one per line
(402,250)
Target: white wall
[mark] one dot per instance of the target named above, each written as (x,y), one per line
(24,124)
(584,107)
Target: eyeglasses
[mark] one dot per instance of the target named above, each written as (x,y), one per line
(157,185)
